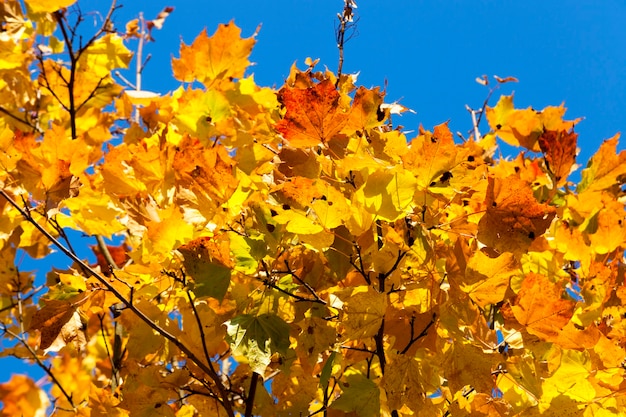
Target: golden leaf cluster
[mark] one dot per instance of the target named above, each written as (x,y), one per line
(291,252)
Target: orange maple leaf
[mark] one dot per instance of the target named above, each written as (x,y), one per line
(514,218)
(205,170)
(22,397)
(366,112)
(313,115)
(539,307)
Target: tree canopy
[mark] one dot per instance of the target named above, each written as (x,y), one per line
(291,251)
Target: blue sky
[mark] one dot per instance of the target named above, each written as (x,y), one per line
(428,53)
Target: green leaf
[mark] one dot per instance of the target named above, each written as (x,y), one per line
(360,395)
(327,370)
(257,338)
(246,250)
(212,280)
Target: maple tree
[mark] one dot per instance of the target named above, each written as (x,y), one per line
(292,252)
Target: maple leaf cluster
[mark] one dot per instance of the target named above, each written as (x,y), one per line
(291,252)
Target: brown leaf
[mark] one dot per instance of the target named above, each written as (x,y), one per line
(50,320)
(559,149)
(72,333)
(158,21)
(505,79)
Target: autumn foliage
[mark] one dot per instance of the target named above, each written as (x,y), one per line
(291,252)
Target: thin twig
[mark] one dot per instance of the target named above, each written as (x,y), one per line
(200,328)
(360,268)
(42,365)
(268,282)
(29,296)
(423,333)
(74,55)
(346,22)
(105,336)
(305,284)
(14,117)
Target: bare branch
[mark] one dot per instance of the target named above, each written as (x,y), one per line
(346,23)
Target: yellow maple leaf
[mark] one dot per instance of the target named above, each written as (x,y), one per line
(168,232)
(540,307)
(364,311)
(388,192)
(605,169)
(515,127)
(431,155)
(105,54)
(487,278)
(45,6)
(571,378)
(75,380)
(202,114)
(92,212)
(212,59)
(365,112)
(522,127)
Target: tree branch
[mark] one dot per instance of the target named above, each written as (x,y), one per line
(251,394)
(128,303)
(346,22)
(423,333)
(42,365)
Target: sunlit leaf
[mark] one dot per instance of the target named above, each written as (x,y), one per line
(105,54)
(388,192)
(39,6)
(257,338)
(541,308)
(487,279)
(211,59)
(314,115)
(605,168)
(207,262)
(522,127)
(513,218)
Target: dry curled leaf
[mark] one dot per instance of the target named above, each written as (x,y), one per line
(52,318)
